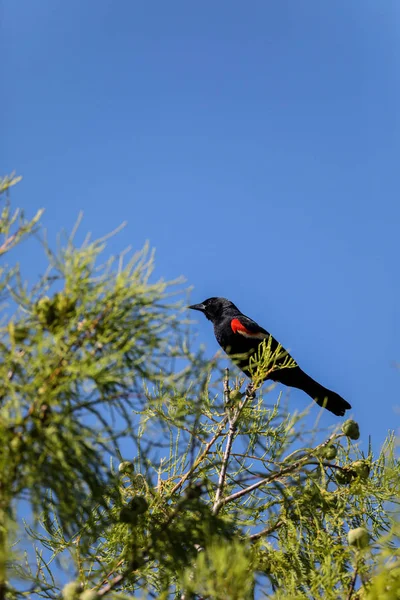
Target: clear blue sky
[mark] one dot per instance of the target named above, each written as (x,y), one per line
(256,145)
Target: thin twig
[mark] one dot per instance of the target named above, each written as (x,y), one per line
(274,476)
(113,583)
(201,457)
(353,583)
(8,242)
(224,466)
(228,447)
(266,531)
(193,437)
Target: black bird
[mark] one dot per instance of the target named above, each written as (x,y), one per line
(240,337)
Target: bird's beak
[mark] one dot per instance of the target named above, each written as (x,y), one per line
(199,307)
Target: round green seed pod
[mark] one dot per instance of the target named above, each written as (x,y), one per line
(329,452)
(126,467)
(344,476)
(351,429)
(72,590)
(235,395)
(361,468)
(358,538)
(311,495)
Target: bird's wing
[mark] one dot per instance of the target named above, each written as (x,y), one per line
(248,328)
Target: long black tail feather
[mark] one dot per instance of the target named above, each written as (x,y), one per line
(295,377)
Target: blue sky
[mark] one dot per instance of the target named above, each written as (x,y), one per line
(256,145)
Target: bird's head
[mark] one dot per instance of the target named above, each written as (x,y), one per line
(214,308)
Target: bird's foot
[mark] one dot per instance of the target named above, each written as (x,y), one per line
(250,391)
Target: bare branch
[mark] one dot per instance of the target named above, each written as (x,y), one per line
(231,436)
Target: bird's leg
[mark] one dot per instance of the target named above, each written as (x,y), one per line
(250,391)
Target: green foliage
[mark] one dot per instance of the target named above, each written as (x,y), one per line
(221,571)
(147,473)
(268,359)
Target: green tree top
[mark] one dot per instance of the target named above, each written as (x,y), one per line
(151,473)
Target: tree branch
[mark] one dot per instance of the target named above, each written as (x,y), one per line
(192,469)
(231,436)
(352,583)
(274,476)
(266,531)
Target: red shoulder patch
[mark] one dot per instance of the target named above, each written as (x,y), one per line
(238,327)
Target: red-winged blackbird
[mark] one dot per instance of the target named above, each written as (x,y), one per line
(240,337)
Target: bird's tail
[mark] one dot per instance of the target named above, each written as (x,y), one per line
(322,396)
